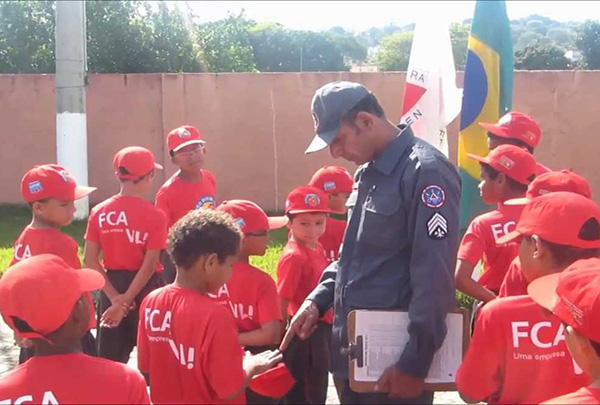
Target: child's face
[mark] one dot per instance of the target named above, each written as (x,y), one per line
(308,228)
(190,158)
(218,273)
(337,202)
(55,211)
(490,189)
(255,243)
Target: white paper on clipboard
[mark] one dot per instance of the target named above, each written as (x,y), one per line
(385,335)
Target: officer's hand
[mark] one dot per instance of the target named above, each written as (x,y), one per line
(399,385)
(303,324)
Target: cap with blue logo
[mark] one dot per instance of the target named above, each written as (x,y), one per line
(330,103)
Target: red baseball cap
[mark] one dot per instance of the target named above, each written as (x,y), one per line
(42,292)
(306,199)
(516,125)
(134,162)
(183,136)
(515,162)
(549,182)
(573,295)
(51,181)
(332,179)
(561,217)
(273,383)
(250,217)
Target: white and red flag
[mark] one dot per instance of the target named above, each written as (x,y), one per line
(431,99)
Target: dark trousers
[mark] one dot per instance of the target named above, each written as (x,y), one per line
(117,343)
(169,271)
(310,368)
(252,398)
(347,396)
(88,346)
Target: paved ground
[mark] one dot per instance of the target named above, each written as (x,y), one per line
(9,355)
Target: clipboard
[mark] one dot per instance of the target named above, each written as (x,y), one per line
(356,349)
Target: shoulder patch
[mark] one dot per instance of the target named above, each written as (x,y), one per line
(433,196)
(437,226)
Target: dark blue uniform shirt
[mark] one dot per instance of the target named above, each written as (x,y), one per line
(399,249)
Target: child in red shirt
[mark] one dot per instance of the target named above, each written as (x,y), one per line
(51,191)
(514,282)
(298,273)
(337,183)
(250,293)
(129,232)
(187,343)
(506,172)
(574,297)
(518,352)
(191,187)
(44,300)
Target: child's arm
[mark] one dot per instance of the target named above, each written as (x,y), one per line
(268,334)
(283,306)
(143,275)
(466,284)
(91,258)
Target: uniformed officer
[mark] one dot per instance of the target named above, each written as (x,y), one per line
(400,245)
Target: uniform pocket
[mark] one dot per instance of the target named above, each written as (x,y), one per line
(382,221)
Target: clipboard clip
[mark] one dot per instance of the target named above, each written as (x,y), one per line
(354,351)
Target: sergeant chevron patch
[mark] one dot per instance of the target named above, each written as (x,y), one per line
(437,226)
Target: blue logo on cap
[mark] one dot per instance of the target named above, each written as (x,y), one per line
(35,187)
(240,222)
(312,200)
(330,185)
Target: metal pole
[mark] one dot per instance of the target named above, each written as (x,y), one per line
(301,57)
(71,67)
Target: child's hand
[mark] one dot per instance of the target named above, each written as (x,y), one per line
(261,362)
(112,317)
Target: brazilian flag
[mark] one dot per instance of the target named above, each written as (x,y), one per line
(487,95)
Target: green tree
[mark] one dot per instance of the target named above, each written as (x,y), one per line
(277,49)
(118,39)
(588,42)
(226,44)
(395,52)
(541,57)
(27,37)
(350,47)
(459,36)
(172,43)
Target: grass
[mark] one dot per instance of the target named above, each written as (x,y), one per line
(15,217)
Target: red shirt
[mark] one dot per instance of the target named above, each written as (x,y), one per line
(126,228)
(298,273)
(251,296)
(189,346)
(73,379)
(38,241)
(479,243)
(177,197)
(585,395)
(518,355)
(332,238)
(514,282)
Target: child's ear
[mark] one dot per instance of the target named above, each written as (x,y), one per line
(501,179)
(212,262)
(37,208)
(539,249)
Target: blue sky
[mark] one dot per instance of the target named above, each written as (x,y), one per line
(361,15)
